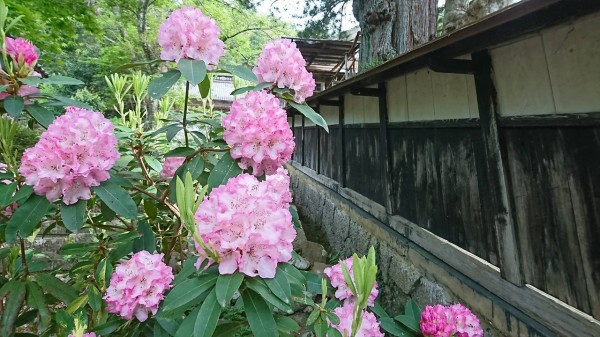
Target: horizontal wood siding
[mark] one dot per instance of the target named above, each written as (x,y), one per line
(556,193)
(363,170)
(330,152)
(435,185)
(311,143)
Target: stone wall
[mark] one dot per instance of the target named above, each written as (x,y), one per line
(405,269)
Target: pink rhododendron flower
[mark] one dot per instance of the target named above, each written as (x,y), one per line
(282,63)
(258,132)
(21,51)
(455,320)
(24,91)
(171,165)
(190,34)
(343,292)
(74,154)
(369,327)
(137,286)
(248,224)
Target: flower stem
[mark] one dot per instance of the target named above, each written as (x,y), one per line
(23,258)
(185,108)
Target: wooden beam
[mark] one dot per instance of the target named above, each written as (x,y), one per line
(342,163)
(371,92)
(496,202)
(384,148)
(451,66)
(303,137)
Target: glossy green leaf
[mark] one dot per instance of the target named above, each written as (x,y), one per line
(35,299)
(26,318)
(147,241)
(412,309)
(14,105)
(117,199)
(378,310)
(226,168)
(180,152)
(258,286)
(241,72)
(159,86)
(409,322)
(73,216)
(56,287)
(280,286)
(43,116)
(388,324)
(107,328)
(15,297)
(103,273)
(194,71)
(333,332)
(66,101)
(311,114)
(135,64)
(313,282)
(208,316)
(194,166)
(257,87)
(76,248)
(55,79)
(6,193)
(227,329)
(295,217)
(259,315)
(320,327)
(186,329)
(23,193)
(204,87)
(286,324)
(188,291)
(226,286)
(26,217)
(94,298)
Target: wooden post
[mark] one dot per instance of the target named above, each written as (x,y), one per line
(342,163)
(498,198)
(318,110)
(303,147)
(384,148)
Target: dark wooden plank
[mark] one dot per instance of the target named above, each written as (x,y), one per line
(580,119)
(311,143)
(318,163)
(451,66)
(303,136)
(499,205)
(342,146)
(363,165)
(384,146)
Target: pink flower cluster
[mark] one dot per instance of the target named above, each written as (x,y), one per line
(21,51)
(138,285)
(282,63)
(455,320)
(188,33)
(248,224)
(343,292)
(171,165)
(369,327)
(74,154)
(258,132)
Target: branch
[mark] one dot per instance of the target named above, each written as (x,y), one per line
(262,29)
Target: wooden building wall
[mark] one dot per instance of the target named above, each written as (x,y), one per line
(432,152)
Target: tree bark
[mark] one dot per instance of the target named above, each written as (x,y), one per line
(458,13)
(393,27)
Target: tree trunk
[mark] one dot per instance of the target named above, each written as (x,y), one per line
(459,13)
(393,27)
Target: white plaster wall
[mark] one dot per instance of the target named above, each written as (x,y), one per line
(330,114)
(554,71)
(396,100)
(360,109)
(298,121)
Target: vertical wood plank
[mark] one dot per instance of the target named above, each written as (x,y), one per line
(318,110)
(342,156)
(293,130)
(384,146)
(510,264)
(303,147)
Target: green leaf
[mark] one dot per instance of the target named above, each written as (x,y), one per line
(150,208)
(186,329)
(227,285)
(103,273)
(257,87)
(147,241)
(195,167)
(117,199)
(280,286)
(23,193)
(135,64)
(187,269)
(412,309)
(204,87)
(153,163)
(320,327)
(94,298)
(14,105)
(35,299)
(226,168)
(259,315)
(227,329)
(258,285)
(388,324)
(56,287)
(6,193)
(207,318)
(76,248)
(409,322)
(194,71)
(159,86)
(295,217)
(286,324)
(26,217)
(313,282)
(70,102)
(333,332)
(41,115)
(56,79)
(241,72)
(107,328)
(292,274)
(73,216)
(12,305)
(186,292)
(26,317)
(309,113)
(379,311)
(180,152)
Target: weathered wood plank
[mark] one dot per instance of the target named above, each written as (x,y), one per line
(363,163)
(342,140)
(384,145)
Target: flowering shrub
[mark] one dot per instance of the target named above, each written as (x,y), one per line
(343,292)
(282,63)
(170,165)
(258,132)
(188,33)
(137,286)
(447,321)
(74,154)
(249,224)
(368,328)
